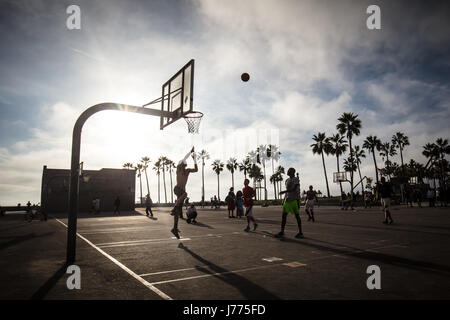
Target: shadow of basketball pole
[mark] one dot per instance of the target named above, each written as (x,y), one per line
(75,164)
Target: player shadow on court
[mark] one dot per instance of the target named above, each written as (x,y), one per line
(50,283)
(248,289)
(19,239)
(199,224)
(381,228)
(153,218)
(423,266)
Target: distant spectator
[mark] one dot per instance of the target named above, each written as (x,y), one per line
(418,197)
(431,197)
(239,204)
(97,205)
(148,205)
(231,203)
(191,214)
(117,205)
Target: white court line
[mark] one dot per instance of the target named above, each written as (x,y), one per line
(171,271)
(123,267)
(215,274)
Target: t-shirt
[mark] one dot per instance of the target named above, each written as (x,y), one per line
(292,184)
(248,193)
(385,190)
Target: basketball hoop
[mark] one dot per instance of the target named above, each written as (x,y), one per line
(193,120)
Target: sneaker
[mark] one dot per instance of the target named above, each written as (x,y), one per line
(391,222)
(255,226)
(279,234)
(172,212)
(313,220)
(299,235)
(385,222)
(247,229)
(175,233)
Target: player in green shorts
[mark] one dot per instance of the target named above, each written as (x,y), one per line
(291,202)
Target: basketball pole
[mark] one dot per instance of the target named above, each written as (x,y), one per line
(75,164)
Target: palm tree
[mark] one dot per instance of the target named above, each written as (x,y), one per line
(350,166)
(163,161)
(139,172)
(399,140)
(431,152)
(322,146)
(350,125)
(359,154)
(442,149)
(387,150)
(338,148)
(232,165)
(128,165)
(370,144)
(274,154)
(262,155)
(145,162)
(170,166)
(255,173)
(245,166)
(204,155)
(280,172)
(217,168)
(157,167)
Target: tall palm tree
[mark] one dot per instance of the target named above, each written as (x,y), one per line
(442,149)
(273,153)
(359,154)
(262,155)
(430,151)
(387,150)
(157,167)
(322,145)
(400,140)
(280,172)
(145,162)
(204,155)
(163,161)
(232,166)
(255,173)
(350,125)
(138,168)
(338,148)
(245,165)
(170,166)
(217,166)
(371,144)
(127,165)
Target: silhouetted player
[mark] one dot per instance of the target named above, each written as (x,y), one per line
(291,201)
(309,206)
(180,189)
(385,191)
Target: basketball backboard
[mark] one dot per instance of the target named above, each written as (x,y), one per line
(177,94)
(339,177)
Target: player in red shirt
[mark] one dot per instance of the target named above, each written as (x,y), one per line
(248,194)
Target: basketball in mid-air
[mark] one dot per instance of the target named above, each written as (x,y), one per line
(245,77)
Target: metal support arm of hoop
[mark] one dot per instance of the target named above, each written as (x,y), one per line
(74,170)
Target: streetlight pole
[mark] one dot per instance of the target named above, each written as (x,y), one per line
(75,164)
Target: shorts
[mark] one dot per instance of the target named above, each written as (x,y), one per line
(179,191)
(231,206)
(309,204)
(386,202)
(291,207)
(249,211)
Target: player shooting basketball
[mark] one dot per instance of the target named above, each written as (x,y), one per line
(180,188)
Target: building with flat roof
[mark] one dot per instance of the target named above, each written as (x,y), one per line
(105,184)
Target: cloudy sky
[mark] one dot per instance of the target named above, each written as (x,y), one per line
(309,62)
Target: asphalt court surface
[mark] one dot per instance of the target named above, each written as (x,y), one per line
(132,256)
(216,259)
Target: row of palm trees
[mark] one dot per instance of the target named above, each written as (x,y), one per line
(162,165)
(349,125)
(250,166)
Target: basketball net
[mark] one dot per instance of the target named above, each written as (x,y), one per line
(193,120)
